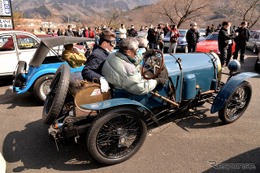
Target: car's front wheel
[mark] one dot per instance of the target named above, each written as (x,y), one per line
(41,87)
(116,135)
(236,104)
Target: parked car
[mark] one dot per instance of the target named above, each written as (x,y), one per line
(257,63)
(254,42)
(46,60)
(181,44)
(210,44)
(116,122)
(16,46)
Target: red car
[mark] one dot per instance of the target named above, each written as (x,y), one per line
(211,44)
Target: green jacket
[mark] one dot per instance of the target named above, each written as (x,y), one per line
(122,73)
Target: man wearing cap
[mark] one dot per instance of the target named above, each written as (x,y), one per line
(241,40)
(192,37)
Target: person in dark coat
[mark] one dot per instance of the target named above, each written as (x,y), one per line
(241,40)
(223,41)
(95,61)
(192,37)
(151,37)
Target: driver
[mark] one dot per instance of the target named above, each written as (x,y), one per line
(122,70)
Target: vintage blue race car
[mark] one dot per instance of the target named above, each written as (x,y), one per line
(116,122)
(43,66)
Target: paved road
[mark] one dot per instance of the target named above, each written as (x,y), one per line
(194,143)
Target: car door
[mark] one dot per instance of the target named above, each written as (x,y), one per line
(8,54)
(27,46)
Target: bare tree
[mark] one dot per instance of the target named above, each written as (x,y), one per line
(181,11)
(242,10)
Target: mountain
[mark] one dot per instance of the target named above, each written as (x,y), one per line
(74,10)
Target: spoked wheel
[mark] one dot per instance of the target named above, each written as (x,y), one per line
(236,104)
(41,87)
(116,135)
(56,97)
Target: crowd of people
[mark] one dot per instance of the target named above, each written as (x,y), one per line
(105,42)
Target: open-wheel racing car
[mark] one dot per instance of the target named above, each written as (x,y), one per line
(116,122)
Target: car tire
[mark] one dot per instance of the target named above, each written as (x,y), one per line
(19,70)
(124,124)
(41,87)
(236,104)
(58,91)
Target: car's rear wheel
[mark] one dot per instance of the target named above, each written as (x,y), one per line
(41,87)
(19,70)
(236,104)
(116,135)
(56,97)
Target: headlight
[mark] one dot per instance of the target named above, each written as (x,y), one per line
(234,65)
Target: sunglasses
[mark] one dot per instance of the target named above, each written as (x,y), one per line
(112,42)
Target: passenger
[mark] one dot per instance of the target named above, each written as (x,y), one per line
(73,56)
(122,71)
(94,63)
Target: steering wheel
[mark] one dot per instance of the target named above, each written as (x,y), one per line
(153,65)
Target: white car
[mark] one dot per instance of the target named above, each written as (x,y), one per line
(16,46)
(2,164)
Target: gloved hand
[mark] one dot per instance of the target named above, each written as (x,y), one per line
(104,84)
(149,53)
(160,81)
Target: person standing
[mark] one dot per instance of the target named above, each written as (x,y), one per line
(69,31)
(230,31)
(223,41)
(208,31)
(173,39)
(151,37)
(132,32)
(122,32)
(192,37)
(241,40)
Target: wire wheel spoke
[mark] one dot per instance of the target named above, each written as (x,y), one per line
(118,136)
(237,103)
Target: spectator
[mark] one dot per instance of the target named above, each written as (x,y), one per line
(151,37)
(122,32)
(59,32)
(120,69)
(69,31)
(231,32)
(161,36)
(223,41)
(192,37)
(212,28)
(208,31)
(241,40)
(95,61)
(173,39)
(73,57)
(166,28)
(91,33)
(49,32)
(132,32)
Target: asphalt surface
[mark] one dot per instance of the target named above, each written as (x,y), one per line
(197,142)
